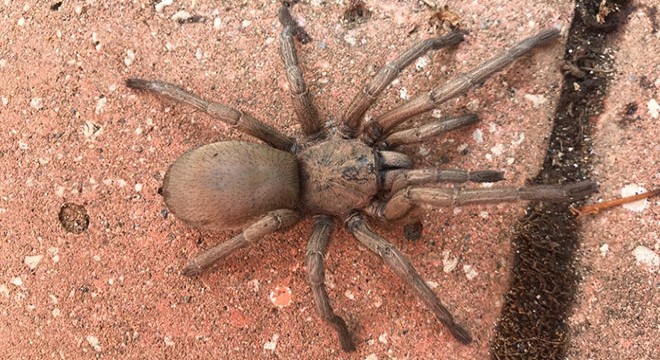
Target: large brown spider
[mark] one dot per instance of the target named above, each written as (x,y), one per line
(343,173)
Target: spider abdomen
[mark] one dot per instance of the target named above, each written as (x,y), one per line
(227,184)
(338,176)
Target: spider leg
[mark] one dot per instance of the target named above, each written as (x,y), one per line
(394,160)
(316,251)
(424,132)
(404,199)
(385,123)
(363,100)
(230,116)
(300,96)
(274,220)
(400,265)
(430,176)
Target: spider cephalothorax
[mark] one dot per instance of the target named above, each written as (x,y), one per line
(342,173)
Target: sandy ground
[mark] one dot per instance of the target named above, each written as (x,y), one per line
(72,133)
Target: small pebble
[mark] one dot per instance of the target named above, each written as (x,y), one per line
(161,5)
(537,100)
(634,189)
(383,338)
(217,23)
(272,344)
(654,108)
(403,93)
(168,341)
(37,103)
(281,296)
(604,250)
(421,63)
(181,15)
(94,342)
(449,262)
(17,281)
(100,104)
(647,258)
(130,57)
(478,136)
(32,261)
(4,290)
(470,273)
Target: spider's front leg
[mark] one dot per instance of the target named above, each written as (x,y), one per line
(384,124)
(300,96)
(402,201)
(407,273)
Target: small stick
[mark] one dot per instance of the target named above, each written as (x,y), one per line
(598,207)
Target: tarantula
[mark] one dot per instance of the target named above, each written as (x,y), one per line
(345,172)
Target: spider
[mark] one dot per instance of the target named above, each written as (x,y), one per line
(348,172)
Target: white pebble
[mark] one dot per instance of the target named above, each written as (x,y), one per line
(421,63)
(604,250)
(138,187)
(56,312)
(161,5)
(272,344)
(5,100)
(181,15)
(647,258)
(94,342)
(17,281)
(21,21)
(37,103)
(449,262)
(403,93)
(130,57)
(349,294)
(537,100)
(246,23)
(54,253)
(217,23)
(383,338)
(497,149)
(470,273)
(4,290)
(32,261)
(521,138)
(371,357)
(168,341)
(100,104)
(478,136)
(654,108)
(199,54)
(630,190)
(350,39)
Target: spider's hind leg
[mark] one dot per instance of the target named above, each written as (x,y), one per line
(316,251)
(402,267)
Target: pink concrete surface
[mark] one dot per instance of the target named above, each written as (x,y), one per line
(617,314)
(73,133)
